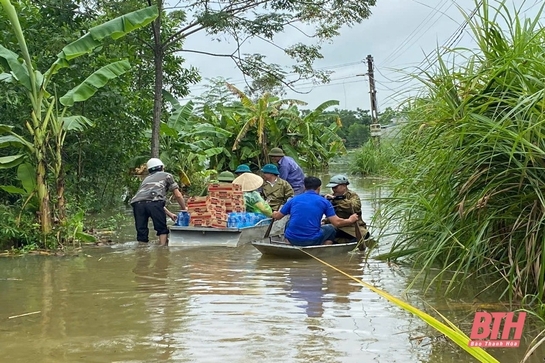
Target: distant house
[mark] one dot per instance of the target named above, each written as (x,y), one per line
(391,130)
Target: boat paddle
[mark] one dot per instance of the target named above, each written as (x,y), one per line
(268,231)
(361,244)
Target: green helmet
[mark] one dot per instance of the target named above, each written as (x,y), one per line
(242,168)
(337,180)
(226,176)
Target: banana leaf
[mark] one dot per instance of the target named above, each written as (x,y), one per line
(7,162)
(75,123)
(10,60)
(115,29)
(95,81)
(6,77)
(27,175)
(12,140)
(12,190)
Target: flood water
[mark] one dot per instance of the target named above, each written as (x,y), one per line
(132,303)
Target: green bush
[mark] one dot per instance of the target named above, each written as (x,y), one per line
(18,229)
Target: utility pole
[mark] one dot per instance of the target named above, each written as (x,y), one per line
(372,89)
(375,126)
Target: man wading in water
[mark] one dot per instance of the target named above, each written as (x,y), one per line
(150,200)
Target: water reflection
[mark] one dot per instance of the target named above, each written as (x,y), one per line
(151,277)
(204,305)
(314,284)
(307,285)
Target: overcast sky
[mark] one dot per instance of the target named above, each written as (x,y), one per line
(399,34)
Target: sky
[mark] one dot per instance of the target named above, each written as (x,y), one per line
(399,35)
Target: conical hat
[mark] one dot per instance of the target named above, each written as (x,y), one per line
(248,181)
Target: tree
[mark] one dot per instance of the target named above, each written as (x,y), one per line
(48,124)
(187,142)
(315,136)
(357,135)
(240,21)
(355,126)
(388,116)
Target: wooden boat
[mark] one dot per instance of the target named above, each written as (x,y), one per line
(220,237)
(276,246)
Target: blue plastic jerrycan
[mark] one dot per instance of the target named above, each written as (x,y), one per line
(183,219)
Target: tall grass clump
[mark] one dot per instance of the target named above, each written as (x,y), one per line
(373,159)
(469,196)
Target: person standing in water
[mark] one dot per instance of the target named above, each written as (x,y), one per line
(150,199)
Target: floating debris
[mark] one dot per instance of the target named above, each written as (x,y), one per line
(25,314)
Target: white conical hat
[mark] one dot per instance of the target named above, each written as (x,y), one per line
(248,181)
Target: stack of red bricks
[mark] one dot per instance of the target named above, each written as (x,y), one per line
(212,211)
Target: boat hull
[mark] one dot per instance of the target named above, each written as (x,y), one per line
(277,248)
(212,237)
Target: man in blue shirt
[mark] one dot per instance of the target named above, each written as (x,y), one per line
(306,210)
(289,170)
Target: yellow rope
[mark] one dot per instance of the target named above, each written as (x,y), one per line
(371,287)
(452,332)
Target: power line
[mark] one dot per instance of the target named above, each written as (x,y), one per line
(432,56)
(409,46)
(243,81)
(398,50)
(453,40)
(189,98)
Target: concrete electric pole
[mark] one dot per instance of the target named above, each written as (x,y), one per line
(372,89)
(375,125)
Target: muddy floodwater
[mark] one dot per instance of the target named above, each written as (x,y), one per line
(131,303)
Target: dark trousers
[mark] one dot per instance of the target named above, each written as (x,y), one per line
(142,211)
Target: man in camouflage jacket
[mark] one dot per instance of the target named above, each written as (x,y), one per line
(275,191)
(346,202)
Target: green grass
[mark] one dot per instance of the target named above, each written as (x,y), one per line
(468,192)
(375,159)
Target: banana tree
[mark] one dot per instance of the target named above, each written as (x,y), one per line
(311,139)
(228,119)
(47,123)
(259,115)
(320,135)
(187,143)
